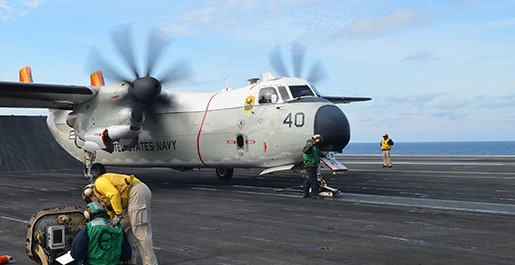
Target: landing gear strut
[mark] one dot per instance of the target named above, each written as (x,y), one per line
(92,169)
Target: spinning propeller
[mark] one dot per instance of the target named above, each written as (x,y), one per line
(142,91)
(145,86)
(316,74)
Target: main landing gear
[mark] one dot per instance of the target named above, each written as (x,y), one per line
(224,173)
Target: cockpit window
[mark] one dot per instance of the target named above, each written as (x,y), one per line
(314,89)
(284,93)
(300,91)
(268,95)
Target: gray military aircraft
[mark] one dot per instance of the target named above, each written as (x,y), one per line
(136,123)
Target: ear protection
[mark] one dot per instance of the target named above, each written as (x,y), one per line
(93,208)
(317,138)
(87,192)
(87,215)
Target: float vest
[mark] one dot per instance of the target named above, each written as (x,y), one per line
(311,154)
(105,242)
(385,144)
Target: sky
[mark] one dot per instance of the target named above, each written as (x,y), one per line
(435,70)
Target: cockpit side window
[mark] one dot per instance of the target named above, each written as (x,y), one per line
(284,93)
(268,95)
(300,91)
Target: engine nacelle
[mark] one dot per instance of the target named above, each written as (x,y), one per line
(96,139)
(123,132)
(104,138)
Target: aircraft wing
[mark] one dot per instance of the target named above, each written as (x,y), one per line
(345,100)
(34,95)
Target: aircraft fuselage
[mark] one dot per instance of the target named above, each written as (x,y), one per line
(231,128)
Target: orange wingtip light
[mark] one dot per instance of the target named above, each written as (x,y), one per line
(97,78)
(26,74)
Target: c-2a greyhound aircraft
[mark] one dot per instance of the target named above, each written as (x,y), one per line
(135,123)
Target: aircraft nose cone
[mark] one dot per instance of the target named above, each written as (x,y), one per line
(332,124)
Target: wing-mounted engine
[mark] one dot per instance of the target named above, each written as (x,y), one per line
(105,138)
(108,124)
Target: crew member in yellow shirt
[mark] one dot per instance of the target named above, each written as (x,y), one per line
(128,201)
(386,146)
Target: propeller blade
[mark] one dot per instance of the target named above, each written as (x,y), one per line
(95,62)
(122,38)
(277,61)
(156,44)
(317,73)
(179,72)
(297,54)
(164,100)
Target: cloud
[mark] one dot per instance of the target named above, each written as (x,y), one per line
(420,55)
(377,26)
(32,3)
(249,19)
(412,99)
(12,9)
(510,120)
(434,100)
(451,103)
(504,23)
(5,9)
(198,20)
(449,115)
(497,102)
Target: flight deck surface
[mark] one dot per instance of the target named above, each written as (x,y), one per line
(424,210)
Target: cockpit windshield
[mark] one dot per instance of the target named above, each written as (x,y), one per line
(301,91)
(314,89)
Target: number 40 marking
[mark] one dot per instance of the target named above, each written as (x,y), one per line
(297,119)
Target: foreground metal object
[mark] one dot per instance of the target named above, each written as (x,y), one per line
(50,233)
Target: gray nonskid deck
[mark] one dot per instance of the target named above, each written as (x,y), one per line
(419,212)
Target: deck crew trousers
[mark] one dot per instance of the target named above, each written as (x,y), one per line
(137,224)
(386,158)
(311,182)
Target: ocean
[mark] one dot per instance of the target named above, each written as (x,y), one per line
(493,148)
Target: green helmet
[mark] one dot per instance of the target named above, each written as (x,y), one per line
(95,207)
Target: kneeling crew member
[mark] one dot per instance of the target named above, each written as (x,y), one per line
(128,201)
(99,243)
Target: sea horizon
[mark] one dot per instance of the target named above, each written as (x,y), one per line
(480,148)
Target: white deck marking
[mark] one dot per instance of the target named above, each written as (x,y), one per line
(14,219)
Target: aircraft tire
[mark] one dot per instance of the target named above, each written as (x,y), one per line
(224,173)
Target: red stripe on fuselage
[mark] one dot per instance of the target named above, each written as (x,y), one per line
(202,125)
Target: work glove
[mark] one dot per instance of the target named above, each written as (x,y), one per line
(116,220)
